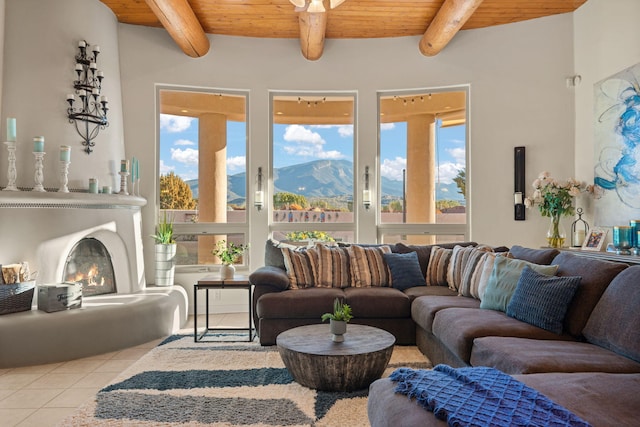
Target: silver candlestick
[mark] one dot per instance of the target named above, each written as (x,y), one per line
(39,175)
(64,177)
(123,183)
(12,174)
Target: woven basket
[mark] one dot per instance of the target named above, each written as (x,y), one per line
(16,297)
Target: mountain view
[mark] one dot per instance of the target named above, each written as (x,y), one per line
(322,179)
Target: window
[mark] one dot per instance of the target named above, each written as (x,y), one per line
(202,163)
(312,166)
(423,145)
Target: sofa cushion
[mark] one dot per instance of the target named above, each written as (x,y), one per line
(424,251)
(596,275)
(535,256)
(368,267)
(419,291)
(503,281)
(529,356)
(438,266)
(456,328)
(614,322)
(378,302)
(469,279)
(405,270)
(300,264)
(271,276)
(273,253)
(309,303)
(542,300)
(423,310)
(333,269)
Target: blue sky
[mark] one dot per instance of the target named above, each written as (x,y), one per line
(295,144)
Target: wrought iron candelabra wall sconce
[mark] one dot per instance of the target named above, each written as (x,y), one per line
(91,114)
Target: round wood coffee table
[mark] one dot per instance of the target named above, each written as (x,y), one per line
(315,361)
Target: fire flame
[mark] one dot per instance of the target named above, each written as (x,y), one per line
(88,278)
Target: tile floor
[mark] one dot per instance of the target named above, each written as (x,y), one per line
(43,395)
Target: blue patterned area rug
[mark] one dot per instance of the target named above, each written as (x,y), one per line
(224,384)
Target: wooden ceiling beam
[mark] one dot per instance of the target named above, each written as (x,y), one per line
(313,27)
(453,14)
(177,17)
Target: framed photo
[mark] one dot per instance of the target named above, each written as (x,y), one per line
(595,239)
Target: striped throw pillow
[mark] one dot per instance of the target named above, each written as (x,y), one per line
(438,266)
(300,265)
(368,267)
(470,278)
(333,268)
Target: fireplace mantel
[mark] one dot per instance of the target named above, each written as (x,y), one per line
(31,199)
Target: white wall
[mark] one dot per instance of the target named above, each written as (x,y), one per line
(607,40)
(41,39)
(518,97)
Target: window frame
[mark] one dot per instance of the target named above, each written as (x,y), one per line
(425,228)
(207,228)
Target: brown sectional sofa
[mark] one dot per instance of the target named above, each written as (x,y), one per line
(592,368)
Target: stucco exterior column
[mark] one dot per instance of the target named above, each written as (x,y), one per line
(212,179)
(421,163)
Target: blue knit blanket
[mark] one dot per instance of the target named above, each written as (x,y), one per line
(480,397)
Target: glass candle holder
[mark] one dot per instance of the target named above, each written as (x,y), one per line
(635,227)
(622,239)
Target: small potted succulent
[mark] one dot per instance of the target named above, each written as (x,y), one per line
(338,319)
(228,254)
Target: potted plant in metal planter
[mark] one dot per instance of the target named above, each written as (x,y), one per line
(228,253)
(165,252)
(338,319)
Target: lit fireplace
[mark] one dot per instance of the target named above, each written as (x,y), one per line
(89,263)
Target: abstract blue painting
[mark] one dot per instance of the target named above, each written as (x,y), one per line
(617,147)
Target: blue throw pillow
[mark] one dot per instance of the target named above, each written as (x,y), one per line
(405,270)
(542,300)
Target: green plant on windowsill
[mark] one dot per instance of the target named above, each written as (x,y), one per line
(341,312)
(164,231)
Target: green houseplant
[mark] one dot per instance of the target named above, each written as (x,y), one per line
(338,319)
(228,253)
(165,253)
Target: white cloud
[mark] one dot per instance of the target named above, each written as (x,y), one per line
(392,169)
(183,142)
(188,156)
(448,171)
(458,154)
(387,126)
(345,131)
(236,163)
(165,169)
(174,124)
(307,144)
(300,134)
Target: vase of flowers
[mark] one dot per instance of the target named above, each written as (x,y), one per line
(555,200)
(228,253)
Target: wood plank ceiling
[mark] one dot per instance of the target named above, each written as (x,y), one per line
(437,21)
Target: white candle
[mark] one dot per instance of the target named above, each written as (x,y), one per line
(93,66)
(65,153)
(70,97)
(103,99)
(518,198)
(11,129)
(38,144)
(82,43)
(259,198)
(94,91)
(100,73)
(82,93)
(578,238)
(96,48)
(78,67)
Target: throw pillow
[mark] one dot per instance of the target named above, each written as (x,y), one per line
(405,270)
(300,265)
(542,300)
(273,253)
(537,256)
(368,267)
(333,269)
(438,266)
(504,278)
(483,272)
(471,268)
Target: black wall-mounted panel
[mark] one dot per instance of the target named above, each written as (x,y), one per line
(518,182)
